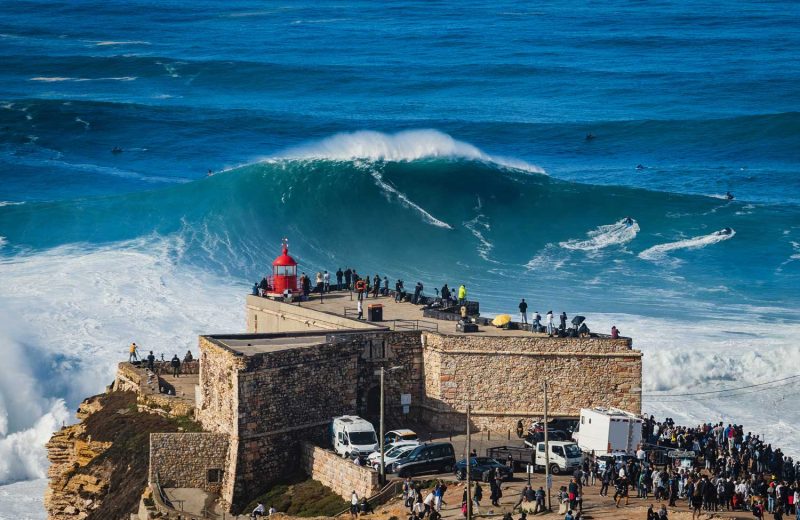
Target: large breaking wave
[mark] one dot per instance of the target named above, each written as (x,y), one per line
(160,267)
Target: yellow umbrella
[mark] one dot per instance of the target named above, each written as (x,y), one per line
(501,320)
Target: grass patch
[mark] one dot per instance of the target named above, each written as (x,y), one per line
(301,496)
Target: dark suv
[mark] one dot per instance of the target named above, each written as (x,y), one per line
(427,458)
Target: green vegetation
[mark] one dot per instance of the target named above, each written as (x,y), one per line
(301,496)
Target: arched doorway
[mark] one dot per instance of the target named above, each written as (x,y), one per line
(373,408)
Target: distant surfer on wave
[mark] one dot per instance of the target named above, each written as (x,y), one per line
(725,231)
(729,195)
(627,221)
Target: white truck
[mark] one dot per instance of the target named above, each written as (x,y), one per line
(565,457)
(353,436)
(608,431)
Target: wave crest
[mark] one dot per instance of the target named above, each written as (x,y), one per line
(618,233)
(660,251)
(408,145)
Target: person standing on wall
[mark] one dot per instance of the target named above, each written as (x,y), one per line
(176,365)
(376,286)
(339,276)
(563,326)
(462,294)
(523,311)
(348,275)
(151,361)
(133,354)
(326,280)
(549,322)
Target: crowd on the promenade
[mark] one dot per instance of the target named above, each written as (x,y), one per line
(716,467)
(448,296)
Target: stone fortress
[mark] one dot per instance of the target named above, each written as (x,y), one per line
(266,397)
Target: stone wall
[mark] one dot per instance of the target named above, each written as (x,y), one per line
(503,378)
(339,474)
(271,316)
(184,459)
(284,397)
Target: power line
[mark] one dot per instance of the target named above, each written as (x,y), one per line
(723,390)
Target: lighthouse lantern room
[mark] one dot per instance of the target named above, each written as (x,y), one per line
(284,272)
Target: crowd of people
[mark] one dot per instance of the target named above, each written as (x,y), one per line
(725,469)
(423,505)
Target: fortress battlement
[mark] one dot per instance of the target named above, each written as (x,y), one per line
(298,365)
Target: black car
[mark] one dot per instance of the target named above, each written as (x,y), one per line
(427,458)
(481,468)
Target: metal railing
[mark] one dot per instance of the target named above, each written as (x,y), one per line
(392,489)
(415,325)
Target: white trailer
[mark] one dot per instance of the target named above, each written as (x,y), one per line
(608,431)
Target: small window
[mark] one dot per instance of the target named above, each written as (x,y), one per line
(540,447)
(214,476)
(583,420)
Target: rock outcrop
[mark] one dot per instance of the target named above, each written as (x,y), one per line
(99,465)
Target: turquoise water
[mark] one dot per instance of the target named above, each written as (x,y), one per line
(422,140)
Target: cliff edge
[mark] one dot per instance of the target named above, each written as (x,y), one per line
(99,465)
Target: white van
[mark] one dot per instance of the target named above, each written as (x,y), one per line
(353,436)
(608,431)
(565,457)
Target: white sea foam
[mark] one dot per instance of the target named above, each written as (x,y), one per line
(615,234)
(391,191)
(112,42)
(477,227)
(23,500)
(3,241)
(10,203)
(98,300)
(56,79)
(409,145)
(660,251)
(85,124)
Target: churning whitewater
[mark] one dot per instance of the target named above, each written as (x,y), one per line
(151,163)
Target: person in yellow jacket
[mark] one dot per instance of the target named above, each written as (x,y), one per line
(133,353)
(462,294)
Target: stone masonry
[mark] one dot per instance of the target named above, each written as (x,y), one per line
(188,460)
(339,474)
(281,391)
(503,378)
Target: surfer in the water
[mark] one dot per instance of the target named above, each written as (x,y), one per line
(589,136)
(116,150)
(725,231)
(640,166)
(729,195)
(627,221)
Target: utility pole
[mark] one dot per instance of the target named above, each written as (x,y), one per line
(469,473)
(546,451)
(383,465)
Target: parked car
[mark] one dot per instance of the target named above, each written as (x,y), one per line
(532,439)
(481,468)
(404,435)
(390,455)
(426,458)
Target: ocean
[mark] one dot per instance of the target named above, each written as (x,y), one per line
(500,145)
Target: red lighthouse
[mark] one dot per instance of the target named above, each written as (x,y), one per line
(284,272)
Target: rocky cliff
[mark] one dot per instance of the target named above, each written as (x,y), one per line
(99,465)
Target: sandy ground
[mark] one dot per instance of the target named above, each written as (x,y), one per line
(595,506)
